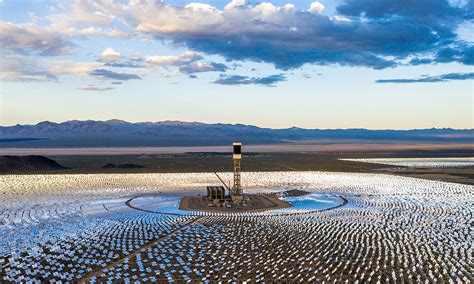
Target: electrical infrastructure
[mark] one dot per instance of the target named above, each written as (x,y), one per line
(232,199)
(217,194)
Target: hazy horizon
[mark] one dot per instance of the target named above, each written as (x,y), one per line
(232,123)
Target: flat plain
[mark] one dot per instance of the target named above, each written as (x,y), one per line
(337,161)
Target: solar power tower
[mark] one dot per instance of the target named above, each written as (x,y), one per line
(237,188)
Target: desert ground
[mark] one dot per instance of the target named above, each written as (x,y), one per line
(270,158)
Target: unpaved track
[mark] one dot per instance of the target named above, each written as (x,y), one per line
(149,211)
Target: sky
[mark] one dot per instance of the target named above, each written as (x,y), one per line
(376,64)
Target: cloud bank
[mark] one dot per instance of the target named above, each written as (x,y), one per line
(375,34)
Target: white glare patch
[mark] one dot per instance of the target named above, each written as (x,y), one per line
(420,162)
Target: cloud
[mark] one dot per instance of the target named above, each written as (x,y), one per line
(106,74)
(234,4)
(461,53)
(316,7)
(375,34)
(29,68)
(171,74)
(420,61)
(441,17)
(136,58)
(93,31)
(420,10)
(19,68)
(110,55)
(71,67)
(367,33)
(432,79)
(31,38)
(95,88)
(112,58)
(56,39)
(124,65)
(173,60)
(80,13)
(188,63)
(81,20)
(245,80)
(197,67)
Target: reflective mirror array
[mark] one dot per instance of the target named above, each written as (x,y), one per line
(421,162)
(79,228)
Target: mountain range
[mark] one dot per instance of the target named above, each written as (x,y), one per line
(119,133)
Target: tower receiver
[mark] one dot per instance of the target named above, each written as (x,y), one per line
(237,156)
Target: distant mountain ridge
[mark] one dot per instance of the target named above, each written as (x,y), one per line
(119,133)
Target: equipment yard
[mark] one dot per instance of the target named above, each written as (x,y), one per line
(127,227)
(257,202)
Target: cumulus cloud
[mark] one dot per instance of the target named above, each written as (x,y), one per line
(200,7)
(316,7)
(432,79)
(188,63)
(234,4)
(289,7)
(110,55)
(107,74)
(83,19)
(112,58)
(197,67)
(31,38)
(245,80)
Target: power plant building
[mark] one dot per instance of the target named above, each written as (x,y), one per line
(216,192)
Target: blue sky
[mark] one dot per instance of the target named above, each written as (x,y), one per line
(378,64)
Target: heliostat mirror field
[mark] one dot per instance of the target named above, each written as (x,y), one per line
(127,227)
